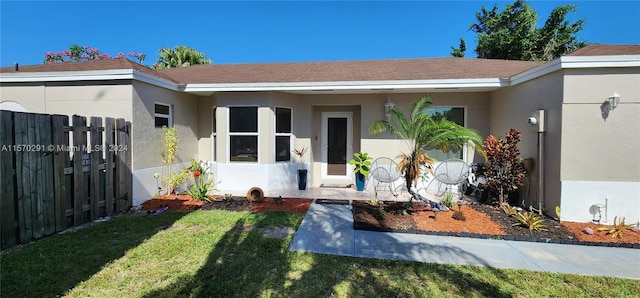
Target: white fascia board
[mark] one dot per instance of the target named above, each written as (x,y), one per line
(90,75)
(572,62)
(156,81)
(349,85)
(61,76)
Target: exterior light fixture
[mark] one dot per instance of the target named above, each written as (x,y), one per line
(614,101)
(388,107)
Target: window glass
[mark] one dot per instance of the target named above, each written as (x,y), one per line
(162,115)
(243,148)
(283,148)
(283,120)
(455,115)
(162,109)
(243,119)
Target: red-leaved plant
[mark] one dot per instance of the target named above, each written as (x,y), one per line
(505,172)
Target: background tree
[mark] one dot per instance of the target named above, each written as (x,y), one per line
(77,53)
(512,33)
(423,132)
(179,57)
(459,51)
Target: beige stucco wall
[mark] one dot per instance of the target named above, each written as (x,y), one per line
(29,95)
(147,141)
(98,99)
(592,135)
(510,107)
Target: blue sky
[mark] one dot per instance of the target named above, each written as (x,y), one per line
(270,31)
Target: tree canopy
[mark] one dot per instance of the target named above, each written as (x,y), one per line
(77,53)
(512,34)
(180,56)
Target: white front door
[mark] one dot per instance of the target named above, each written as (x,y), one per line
(337,140)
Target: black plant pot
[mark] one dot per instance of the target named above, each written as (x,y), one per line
(302,179)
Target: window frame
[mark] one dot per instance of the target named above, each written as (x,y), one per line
(282,134)
(169,116)
(232,134)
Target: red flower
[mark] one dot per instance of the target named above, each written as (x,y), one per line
(196,174)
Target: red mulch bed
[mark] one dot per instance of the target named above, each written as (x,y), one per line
(480,219)
(600,236)
(185,203)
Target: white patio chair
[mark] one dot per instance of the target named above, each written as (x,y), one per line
(451,172)
(384,171)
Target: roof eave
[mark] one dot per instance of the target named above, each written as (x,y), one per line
(351,86)
(88,75)
(573,62)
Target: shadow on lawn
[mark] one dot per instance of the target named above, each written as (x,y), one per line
(52,266)
(244,263)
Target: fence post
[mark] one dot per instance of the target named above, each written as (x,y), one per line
(60,141)
(23,181)
(109,127)
(45,173)
(96,152)
(7,181)
(79,142)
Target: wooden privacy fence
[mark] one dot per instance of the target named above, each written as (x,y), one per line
(53,176)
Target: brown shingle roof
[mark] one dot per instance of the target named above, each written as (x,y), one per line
(105,64)
(365,70)
(607,50)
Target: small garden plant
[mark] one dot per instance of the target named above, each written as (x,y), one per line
(617,229)
(447,200)
(228,197)
(203,183)
(457,215)
(361,162)
(530,220)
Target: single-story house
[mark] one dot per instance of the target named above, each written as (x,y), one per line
(247,118)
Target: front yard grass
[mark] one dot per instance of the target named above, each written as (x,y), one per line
(224,254)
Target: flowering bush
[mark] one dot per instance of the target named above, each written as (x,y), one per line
(203,182)
(77,53)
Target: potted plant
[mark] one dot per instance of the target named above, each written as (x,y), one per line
(362,164)
(302,172)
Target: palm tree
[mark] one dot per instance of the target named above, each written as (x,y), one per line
(423,132)
(179,57)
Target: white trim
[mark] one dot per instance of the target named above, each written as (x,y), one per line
(89,75)
(572,62)
(349,85)
(349,145)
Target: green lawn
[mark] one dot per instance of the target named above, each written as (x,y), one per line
(224,254)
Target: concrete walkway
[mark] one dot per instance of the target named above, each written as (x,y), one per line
(328,229)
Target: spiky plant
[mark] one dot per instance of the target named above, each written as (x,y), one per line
(530,220)
(422,132)
(617,229)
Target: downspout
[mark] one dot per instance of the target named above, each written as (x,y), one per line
(540,116)
(540,171)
